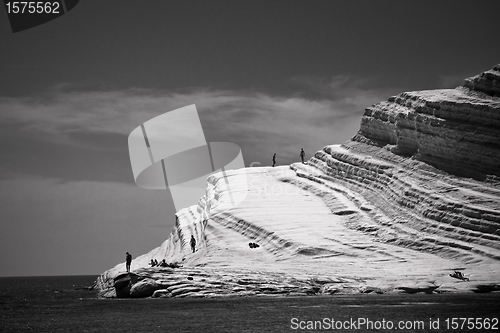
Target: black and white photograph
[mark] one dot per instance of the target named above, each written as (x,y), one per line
(249,166)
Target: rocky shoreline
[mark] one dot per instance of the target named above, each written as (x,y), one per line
(201,282)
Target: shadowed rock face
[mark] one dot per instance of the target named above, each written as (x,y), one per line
(413,196)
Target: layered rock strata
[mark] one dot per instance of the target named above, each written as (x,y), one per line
(454,130)
(413,196)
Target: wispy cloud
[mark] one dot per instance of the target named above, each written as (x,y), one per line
(258,122)
(348,92)
(61,112)
(121,111)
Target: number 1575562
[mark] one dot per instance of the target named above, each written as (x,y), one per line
(32,7)
(471,323)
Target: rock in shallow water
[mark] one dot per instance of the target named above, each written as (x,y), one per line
(144,288)
(123,283)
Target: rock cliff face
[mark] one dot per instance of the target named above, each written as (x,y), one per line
(455,130)
(413,196)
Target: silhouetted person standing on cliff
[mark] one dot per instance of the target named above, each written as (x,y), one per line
(193,243)
(274,160)
(302,154)
(128,261)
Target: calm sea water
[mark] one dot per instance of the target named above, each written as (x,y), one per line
(63,304)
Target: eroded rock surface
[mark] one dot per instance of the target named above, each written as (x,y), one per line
(413,196)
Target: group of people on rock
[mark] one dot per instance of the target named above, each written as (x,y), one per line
(163,263)
(152,263)
(302,156)
(253,245)
(155,263)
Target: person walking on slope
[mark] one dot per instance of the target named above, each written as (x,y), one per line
(193,243)
(274,160)
(302,154)
(128,261)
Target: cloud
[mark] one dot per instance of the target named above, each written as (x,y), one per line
(95,124)
(226,115)
(348,92)
(61,111)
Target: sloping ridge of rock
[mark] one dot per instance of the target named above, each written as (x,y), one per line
(412,197)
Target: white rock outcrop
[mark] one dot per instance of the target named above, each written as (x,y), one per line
(413,196)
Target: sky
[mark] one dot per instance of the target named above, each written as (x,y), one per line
(270,76)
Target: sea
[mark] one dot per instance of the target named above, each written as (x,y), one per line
(66,304)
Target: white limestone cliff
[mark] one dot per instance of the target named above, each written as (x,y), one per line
(413,196)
